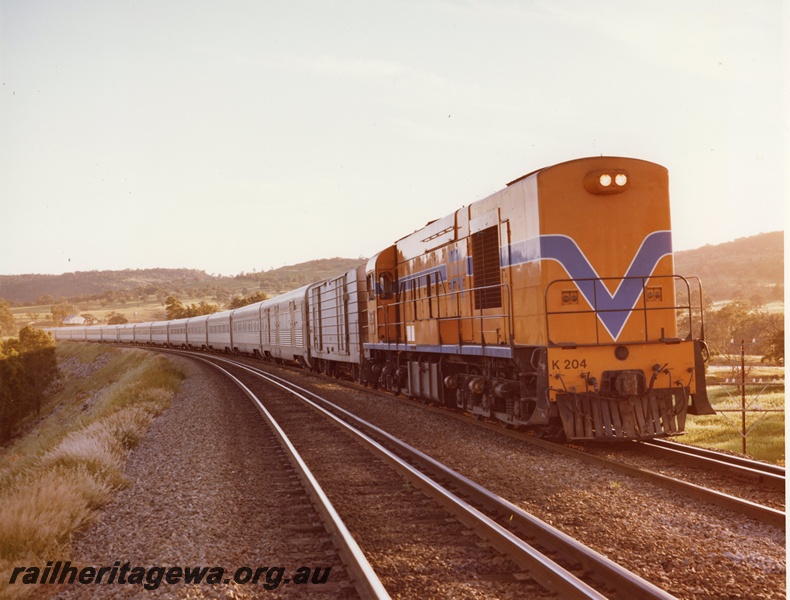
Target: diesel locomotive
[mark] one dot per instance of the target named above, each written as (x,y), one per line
(551,305)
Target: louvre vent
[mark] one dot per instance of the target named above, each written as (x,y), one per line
(485,268)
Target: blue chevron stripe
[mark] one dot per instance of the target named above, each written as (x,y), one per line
(613,309)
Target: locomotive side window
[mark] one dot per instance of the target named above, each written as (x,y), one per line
(385,286)
(486,270)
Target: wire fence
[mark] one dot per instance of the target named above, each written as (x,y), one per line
(743,399)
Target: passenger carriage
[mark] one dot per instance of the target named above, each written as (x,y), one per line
(142,334)
(246,326)
(126,333)
(197,333)
(109,334)
(177,333)
(218,327)
(159,335)
(284,327)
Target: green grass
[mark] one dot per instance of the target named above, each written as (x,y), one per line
(765,438)
(71,458)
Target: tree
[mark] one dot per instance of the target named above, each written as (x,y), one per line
(27,368)
(116,318)
(240,301)
(11,386)
(7,324)
(61,311)
(776,348)
(174,308)
(204,308)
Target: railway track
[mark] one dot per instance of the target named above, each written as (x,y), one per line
(752,473)
(536,547)
(770,477)
(290,478)
(755,510)
(761,474)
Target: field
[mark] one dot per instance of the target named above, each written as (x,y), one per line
(135,311)
(765,417)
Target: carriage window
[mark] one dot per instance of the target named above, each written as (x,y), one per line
(486,269)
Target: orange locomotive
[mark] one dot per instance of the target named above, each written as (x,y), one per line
(551,304)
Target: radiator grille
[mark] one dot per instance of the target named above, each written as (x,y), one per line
(486,269)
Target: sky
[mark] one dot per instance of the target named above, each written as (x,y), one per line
(244,135)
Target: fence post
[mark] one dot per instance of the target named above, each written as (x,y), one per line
(743,395)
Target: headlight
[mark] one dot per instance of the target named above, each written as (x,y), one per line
(601,182)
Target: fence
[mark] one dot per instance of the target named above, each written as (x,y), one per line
(743,396)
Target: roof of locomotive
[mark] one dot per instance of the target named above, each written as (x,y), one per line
(567,162)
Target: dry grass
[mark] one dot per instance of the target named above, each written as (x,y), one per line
(53,481)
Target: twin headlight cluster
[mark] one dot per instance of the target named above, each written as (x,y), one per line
(606,182)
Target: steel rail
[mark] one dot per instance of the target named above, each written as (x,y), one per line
(766,514)
(765,474)
(543,569)
(365,579)
(751,509)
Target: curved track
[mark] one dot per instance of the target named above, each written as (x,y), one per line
(364,578)
(479,509)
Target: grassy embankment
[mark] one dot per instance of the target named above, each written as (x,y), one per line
(765,438)
(68,462)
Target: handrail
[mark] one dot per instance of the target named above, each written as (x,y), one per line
(690,308)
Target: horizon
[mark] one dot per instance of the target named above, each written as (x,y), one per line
(259,271)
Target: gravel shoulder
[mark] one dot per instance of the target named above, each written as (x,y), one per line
(197,496)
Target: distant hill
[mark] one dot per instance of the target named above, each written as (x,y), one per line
(29,288)
(111,285)
(746,267)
